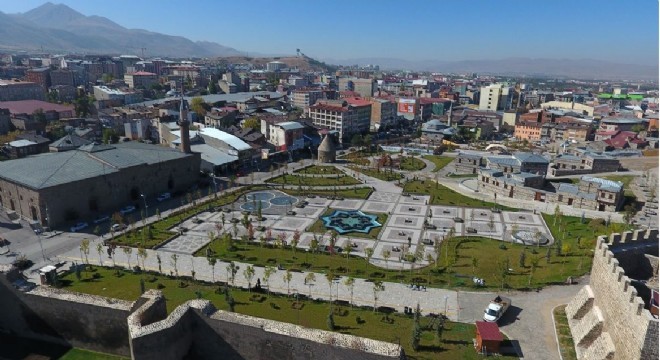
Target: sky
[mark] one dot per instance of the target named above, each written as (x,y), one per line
(447,30)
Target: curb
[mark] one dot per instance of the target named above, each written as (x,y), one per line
(554,325)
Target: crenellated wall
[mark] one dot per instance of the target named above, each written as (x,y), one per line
(607,318)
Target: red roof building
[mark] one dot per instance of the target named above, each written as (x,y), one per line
(488,336)
(28,107)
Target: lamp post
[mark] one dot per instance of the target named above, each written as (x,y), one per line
(446,297)
(146,208)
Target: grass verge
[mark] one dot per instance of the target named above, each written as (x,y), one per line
(313,181)
(439,161)
(566,345)
(442,195)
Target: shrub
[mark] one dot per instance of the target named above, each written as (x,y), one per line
(160,286)
(502,247)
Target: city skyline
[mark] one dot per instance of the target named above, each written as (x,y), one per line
(347,31)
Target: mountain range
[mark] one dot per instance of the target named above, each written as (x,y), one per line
(57,28)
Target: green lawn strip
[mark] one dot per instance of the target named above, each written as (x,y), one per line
(160,230)
(441,195)
(289,179)
(319,228)
(566,345)
(439,161)
(357,193)
(456,338)
(409,163)
(382,174)
(80,354)
(319,169)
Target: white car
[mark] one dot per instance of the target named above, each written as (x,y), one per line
(163,197)
(118,227)
(101,219)
(127,209)
(79,226)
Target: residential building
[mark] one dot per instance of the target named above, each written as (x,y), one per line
(468,162)
(528,130)
(39,76)
(27,144)
(137,129)
(496,97)
(68,142)
(364,87)
(14,90)
(577,107)
(102,177)
(140,79)
(336,115)
(285,136)
(363,108)
(228,143)
(221,118)
(5,121)
(305,98)
(108,97)
(275,66)
(383,114)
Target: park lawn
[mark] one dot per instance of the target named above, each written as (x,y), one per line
(382,174)
(319,169)
(356,193)
(441,195)
(566,344)
(160,230)
(319,228)
(289,179)
(439,161)
(463,175)
(313,314)
(409,163)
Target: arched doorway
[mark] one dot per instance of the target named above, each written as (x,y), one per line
(11,205)
(33,212)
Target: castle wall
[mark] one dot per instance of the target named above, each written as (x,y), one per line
(85,321)
(607,318)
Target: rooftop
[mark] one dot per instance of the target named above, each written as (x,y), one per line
(290,125)
(227,138)
(66,167)
(30,106)
(489,331)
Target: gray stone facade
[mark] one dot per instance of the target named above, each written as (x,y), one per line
(587,163)
(468,163)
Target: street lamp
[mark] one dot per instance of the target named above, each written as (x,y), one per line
(146,208)
(446,297)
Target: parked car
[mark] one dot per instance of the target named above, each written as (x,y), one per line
(101,219)
(79,226)
(496,308)
(118,227)
(127,209)
(163,197)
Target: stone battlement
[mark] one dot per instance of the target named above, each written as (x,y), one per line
(607,318)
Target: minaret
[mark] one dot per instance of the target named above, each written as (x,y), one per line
(451,105)
(184,125)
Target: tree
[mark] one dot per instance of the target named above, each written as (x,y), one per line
(249,274)
(295,240)
(557,215)
(142,253)
(534,263)
(369,252)
(350,284)
(198,105)
(159,260)
(356,140)
(629,213)
(232,269)
(84,249)
(475,263)
(213,87)
(83,105)
(417,331)
(329,277)
(39,116)
(268,272)
(110,136)
(440,328)
(377,287)
(386,256)
(547,256)
(174,260)
(212,261)
(503,271)
(348,250)
(287,278)
(310,279)
(99,250)
(107,78)
(128,251)
(331,321)
(252,123)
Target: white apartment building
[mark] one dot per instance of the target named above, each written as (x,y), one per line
(495,97)
(337,116)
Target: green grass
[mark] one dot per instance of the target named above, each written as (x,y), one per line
(566,345)
(314,181)
(411,164)
(457,337)
(382,174)
(439,161)
(357,193)
(319,169)
(160,229)
(319,228)
(80,354)
(441,195)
